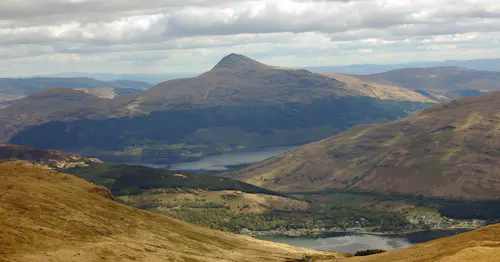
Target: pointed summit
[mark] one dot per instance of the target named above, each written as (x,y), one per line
(236,61)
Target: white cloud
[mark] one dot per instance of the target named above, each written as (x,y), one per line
(285,32)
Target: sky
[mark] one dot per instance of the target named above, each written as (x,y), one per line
(179,36)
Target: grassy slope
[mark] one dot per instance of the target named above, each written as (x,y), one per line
(449,150)
(213,201)
(62,217)
(238,202)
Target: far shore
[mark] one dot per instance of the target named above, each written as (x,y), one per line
(326,233)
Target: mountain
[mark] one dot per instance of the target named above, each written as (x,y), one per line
(492,64)
(55,104)
(440,82)
(239,80)
(49,158)
(46,215)
(16,88)
(449,150)
(240,104)
(151,79)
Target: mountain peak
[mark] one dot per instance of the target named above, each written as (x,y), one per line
(237,61)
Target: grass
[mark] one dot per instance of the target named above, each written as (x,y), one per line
(101,229)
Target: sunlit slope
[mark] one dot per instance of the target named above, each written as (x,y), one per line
(449,150)
(49,216)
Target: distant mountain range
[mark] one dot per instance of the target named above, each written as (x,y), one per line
(151,79)
(450,150)
(440,83)
(364,69)
(240,104)
(16,88)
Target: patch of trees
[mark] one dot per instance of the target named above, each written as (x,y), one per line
(369,252)
(132,180)
(486,210)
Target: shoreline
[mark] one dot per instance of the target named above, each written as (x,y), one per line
(326,233)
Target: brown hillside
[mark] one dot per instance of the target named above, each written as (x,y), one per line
(440,82)
(379,90)
(238,80)
(57,104)
(449,150)
(161,200)
(49,216)
(16,88)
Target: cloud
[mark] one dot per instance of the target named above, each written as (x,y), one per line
(44,29)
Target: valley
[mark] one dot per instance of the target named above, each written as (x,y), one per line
(246,119)
(240,105)
(249,131)
(225,204)
(448,150)
(82,221)
(230,205)
(17,88)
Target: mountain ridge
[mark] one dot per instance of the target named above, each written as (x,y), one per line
(440,83)
(268,106)
(448,150)
(490,64)
(17,88)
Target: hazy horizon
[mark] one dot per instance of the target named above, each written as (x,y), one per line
(40,37)
(107,76)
